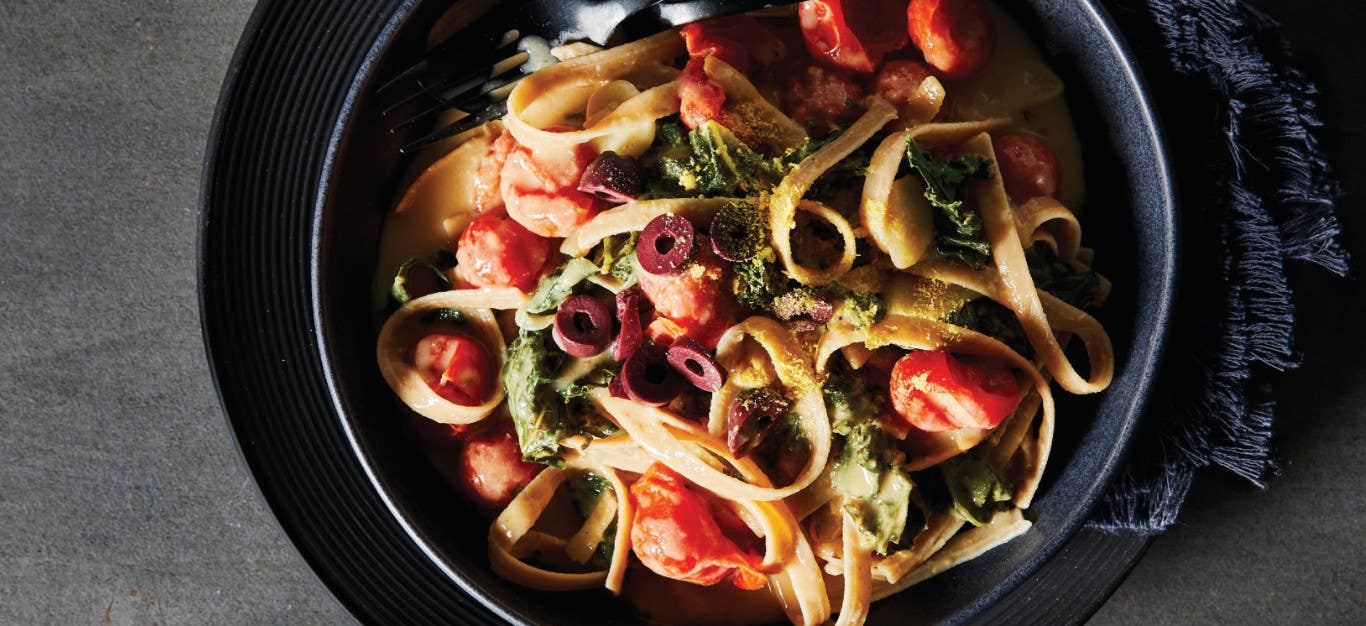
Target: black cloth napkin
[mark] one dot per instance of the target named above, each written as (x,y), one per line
(1256,195)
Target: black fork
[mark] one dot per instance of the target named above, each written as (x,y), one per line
(474,70)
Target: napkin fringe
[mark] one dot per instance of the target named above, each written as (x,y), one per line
(1270,200)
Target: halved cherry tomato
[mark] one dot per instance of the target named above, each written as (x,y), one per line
(700,97)
(491,469)
(822,99)
(957,37)
(496,251)
(735,39)
(1029,167)
(676,535)
(695,299)
(541,191)
(456,367)
(487,191)
(852,37)
(935,391)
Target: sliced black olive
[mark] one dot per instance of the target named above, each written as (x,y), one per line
(648,378)
(736,234)
(583,326)
(628,318)
(617,389)
(612,177)
(667,245)
(699,368)
(753,414)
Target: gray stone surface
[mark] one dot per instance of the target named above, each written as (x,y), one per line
(123,501)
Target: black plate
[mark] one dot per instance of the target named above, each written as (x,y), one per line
(298,177)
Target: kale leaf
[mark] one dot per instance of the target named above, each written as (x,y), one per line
(958,229)
(538,414)
(552,290)
(1077,287)
(976,490)
(867,470)
(988,317)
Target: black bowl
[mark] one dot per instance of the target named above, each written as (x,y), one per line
(299,174)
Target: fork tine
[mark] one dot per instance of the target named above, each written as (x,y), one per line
(474,89)
(466,70)
(480,117)
(473,42)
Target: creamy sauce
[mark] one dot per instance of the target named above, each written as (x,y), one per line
(1016,83)
(437,206)
(664,601)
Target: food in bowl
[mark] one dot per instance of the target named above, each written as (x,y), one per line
(755,318)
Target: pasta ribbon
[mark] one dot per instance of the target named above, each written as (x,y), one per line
(404,328)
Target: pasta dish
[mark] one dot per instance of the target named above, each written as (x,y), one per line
(757,318)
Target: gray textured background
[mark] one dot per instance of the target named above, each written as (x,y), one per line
(122,500)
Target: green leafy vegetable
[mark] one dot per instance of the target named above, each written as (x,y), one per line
(708,161)
(986,316)
(976,490)
(958,229)
(582,416)
(666,166)
(417,278)
(616,255)
(867,470)
(537,411)
(552,290)
(861,308)
(1073,285)
(725,166)
(758,281)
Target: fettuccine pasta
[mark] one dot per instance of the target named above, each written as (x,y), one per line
(744,325)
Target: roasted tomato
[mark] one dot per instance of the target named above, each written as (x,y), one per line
(957,37)
(701,98)
(695,299)
(935,391)
(496,251)
(898,81)
(852,37)
(491,469)
(542,191)
(1029,167)
(822,99)
(487,192)
(456,367)
(675,533)
(735,39)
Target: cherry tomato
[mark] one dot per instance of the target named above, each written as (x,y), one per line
(496,251)
(491,469)
(935,391)
(542,191)
(822,99)
(456,367)
(701,98)
(855,38)
(898,81)
(487,192)
(676,535)
(957,37)
(735,39)
(1029,167)
(696,299)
